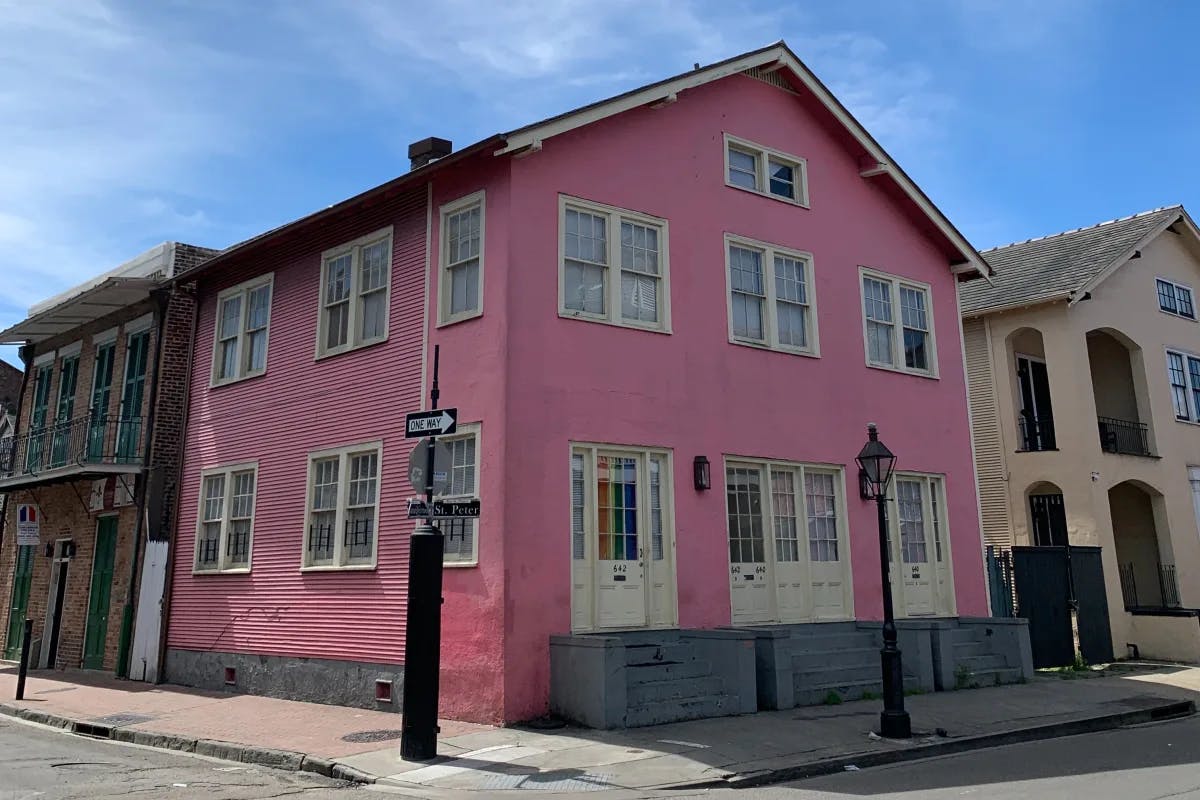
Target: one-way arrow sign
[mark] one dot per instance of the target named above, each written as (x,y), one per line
(438,422)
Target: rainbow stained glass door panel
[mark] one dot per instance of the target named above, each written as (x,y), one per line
(621,574)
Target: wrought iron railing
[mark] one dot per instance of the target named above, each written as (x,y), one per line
(1168,588)
(1124,436)
(92,439)
(1037,433)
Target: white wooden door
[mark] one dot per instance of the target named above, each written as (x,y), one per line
(942,564)
(620,556)
(793,588)
(828,552)
(751,588)
(915,576)
(660,549)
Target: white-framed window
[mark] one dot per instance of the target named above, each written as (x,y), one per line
(355,282)
(225,521)
(1183,373)
(898,323)
(342,523)
(765,171)
(772,299)
(614,266)
(919,518)
(460,289)
(461,536)
(240,330)
(784,512)
(1175,298)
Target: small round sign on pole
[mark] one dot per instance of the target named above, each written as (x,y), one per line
(442,461)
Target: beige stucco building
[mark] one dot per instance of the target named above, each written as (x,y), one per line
(1083,359)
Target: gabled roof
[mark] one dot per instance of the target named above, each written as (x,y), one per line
(1064,266)
(775,58)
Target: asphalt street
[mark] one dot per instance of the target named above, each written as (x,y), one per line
(1149,762)
(47,764)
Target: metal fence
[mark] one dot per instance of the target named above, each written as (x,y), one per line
(92,439)
(1124,436)
(1000,582)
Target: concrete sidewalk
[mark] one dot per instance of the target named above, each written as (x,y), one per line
(732,751)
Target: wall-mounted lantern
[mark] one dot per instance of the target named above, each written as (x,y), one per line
(701,474)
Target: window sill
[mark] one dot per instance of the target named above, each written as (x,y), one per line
(769,195)
(1039,450)
(454,320)
(459,564)
(342,568)
(774,348)
(324,354)
(914,373)
(216,384)
(1177,316)
(238,571)
(580,316)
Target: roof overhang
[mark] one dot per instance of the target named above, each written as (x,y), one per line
(111,294)
(1088,286)
(1057,297)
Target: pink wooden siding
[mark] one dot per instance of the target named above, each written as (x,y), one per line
(298,406)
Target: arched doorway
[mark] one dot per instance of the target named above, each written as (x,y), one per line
(1119,390)
(1147,577)
(1035,412)
(1047,515)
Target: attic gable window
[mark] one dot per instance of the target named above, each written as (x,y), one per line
(1176,299)
(765,171)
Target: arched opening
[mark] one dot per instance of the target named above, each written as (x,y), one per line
(1047,515)
(1119,390)
(1137,519)
(1035,413)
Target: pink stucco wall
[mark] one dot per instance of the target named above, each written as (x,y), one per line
(574,380)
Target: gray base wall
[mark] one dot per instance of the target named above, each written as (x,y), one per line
(315,680)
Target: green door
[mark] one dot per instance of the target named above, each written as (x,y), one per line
(131,397)
(22,576)
(102,577)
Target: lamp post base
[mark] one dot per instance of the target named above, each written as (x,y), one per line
(895,725)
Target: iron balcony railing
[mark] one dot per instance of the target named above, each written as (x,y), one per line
(93,439)
(1168,588)
(1124,436)
(1037,432)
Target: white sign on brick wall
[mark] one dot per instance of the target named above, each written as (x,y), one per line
(29,526)
(96,500)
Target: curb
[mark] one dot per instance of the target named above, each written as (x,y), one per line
(228,751)
(1054,730)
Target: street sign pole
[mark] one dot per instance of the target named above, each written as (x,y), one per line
(423,624)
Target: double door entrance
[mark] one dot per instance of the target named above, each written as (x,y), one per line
(622,539)
(789,556)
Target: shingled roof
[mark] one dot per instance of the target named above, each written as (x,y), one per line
(1061,265)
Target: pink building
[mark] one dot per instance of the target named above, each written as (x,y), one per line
(722,266)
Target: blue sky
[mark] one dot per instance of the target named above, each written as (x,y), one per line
(127,122)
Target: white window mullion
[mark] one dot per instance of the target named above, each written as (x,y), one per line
(343,499)
(771,316)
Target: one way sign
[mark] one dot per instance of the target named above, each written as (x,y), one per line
(439,422)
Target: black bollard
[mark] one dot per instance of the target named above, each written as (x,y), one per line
(26,635)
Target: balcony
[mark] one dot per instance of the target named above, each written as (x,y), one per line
(84,447)
(1126,437)
(1037,433)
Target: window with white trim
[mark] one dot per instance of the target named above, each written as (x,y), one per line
(765,171)
(1183,372)
(225,524)
(1175,298)
(898,324)
(461,255)
(614,267)
(355,282)
(461,536)
(783,503)
(240,334)
(771,297)
(343,507)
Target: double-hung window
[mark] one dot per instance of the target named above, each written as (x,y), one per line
(461,286)
(759,169)
(771,298)
(1175,298)
(614,266)
(240,340)
(461,536)
(898,324)
(225,523)
(343,507)
(1183,371)
(355,281)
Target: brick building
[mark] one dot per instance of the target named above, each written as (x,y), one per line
(94,463)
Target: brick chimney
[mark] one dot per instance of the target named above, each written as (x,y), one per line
(428,150)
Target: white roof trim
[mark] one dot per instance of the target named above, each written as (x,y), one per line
(1119,262)
(526,137)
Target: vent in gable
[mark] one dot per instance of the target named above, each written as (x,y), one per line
(774,78)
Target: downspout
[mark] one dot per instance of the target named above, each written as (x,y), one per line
(161,298)
(26,355)
(165,607)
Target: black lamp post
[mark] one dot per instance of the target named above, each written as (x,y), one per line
(875,465)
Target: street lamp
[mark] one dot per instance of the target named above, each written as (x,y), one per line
(875,465)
